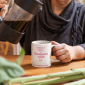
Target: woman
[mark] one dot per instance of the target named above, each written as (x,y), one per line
(61,21)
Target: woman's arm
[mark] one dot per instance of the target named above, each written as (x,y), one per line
(80,52)
(66,53)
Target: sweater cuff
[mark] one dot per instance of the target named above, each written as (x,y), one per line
(0,19)
(82,45)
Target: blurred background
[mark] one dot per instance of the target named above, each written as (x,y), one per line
(82,1)
(7,48)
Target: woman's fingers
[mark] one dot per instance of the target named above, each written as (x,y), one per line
(60,52)
(62,57)
(3,11)
(55,43)
(8,2)
(2,5)
(3,2)
(4,8)
(66,60)
(58,47)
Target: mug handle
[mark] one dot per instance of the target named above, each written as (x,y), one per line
(51,57)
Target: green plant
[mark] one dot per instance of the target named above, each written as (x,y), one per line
(10,70)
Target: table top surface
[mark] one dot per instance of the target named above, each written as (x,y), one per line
(54,68)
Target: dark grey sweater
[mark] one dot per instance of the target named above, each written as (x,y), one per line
(68,27)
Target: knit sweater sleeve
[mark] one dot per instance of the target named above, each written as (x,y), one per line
(0,19)
(83,44)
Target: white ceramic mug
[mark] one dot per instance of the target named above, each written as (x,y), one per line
(41,53)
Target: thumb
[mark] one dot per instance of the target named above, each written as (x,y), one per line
(55,43)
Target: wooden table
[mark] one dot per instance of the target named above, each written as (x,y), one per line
(55,67)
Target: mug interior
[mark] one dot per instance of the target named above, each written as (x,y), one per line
(41,42)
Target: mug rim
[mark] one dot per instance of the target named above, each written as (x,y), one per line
(37,42)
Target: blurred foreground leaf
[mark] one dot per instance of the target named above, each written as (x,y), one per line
(20,58)
(9,70)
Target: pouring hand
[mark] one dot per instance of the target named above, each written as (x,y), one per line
(4,4)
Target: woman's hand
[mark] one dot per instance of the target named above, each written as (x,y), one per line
(63,52)
(4,7)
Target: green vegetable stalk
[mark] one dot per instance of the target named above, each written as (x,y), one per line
(80,82)
(56,80)
(47,76)
(10,70)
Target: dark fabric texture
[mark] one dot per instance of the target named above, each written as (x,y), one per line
(67,28)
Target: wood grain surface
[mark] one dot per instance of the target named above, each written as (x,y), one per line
(55,67)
